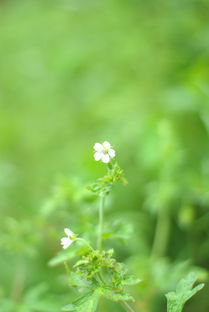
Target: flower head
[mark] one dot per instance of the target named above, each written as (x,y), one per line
(103,152)
(67,241)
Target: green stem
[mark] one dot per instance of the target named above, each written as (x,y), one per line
(101,223)
(161,233)
(67,269)
(19,280)
(85,242)
(127,306)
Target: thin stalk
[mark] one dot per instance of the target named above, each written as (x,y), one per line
(67,269)
(85,242)
(19,280)
(101,222)
(127,306)
(161,233)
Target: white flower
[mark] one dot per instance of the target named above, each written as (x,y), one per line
(104,152)
(67,241)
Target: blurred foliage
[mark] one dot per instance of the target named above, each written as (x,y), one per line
(75,72)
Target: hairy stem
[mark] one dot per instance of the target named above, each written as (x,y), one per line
(101,223)
(127,306)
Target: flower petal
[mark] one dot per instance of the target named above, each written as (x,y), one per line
(98,156)
(111,152)
(66,242)
(98,147)
(106,144)
(105,158)
(68,232)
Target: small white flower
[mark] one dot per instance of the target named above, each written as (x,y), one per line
(67,241)
(103,152)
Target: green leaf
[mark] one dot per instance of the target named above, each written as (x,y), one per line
(131,280)
(62,256)
(87,303)
(184,291)
(79,281)
(115,295)
(66,255)
(69,307)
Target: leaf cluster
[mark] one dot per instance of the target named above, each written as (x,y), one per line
(98,274)
(104,185)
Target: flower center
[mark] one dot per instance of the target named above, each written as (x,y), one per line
(105,150)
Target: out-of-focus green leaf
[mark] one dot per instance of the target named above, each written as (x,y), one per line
(66,255)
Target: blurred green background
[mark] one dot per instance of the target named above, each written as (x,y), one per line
(76,72)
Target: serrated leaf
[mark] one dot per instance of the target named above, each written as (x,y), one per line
(184,291)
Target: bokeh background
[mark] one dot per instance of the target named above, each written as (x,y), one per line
(76,72)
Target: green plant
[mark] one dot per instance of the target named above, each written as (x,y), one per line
(95,272)
(184,291)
